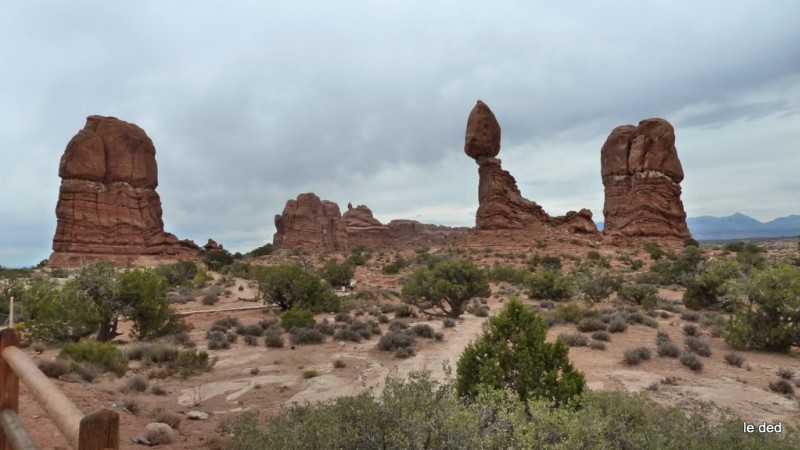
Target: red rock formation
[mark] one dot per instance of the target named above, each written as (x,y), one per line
(642,174)
(310,223)
(500,202)
(107,206)
(212,245)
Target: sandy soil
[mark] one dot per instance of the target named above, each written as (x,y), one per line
(261,379)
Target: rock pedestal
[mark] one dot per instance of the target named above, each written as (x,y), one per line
(642,174)
(107,205)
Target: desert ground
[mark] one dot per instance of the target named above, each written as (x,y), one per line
(262,379)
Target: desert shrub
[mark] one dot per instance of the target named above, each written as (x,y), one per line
(691,330)
(449,323)
(596,284)
(325,327)
(423,330)
(698,346)
(297,318)
(617,324)
(403,310)
(679,269)
(310,373)
(734,359)
(50,314)
(304,336)
(250,339)
(395,266)
(404,352)
(398,325)
(152,352)
(546,262)
(209,299)
(572,313)
(636,355)
(395,339)
(446,288)
(597,345)
(782,387)
(217,259)
(53,368)
(692,362)
(481,311)
(289,286)
(506,273)
(251,330)
(691,316)
(667,348)
(348,333)
(512,353)
(591,324)
(439,336)
(359,256)
(641,294)
(337,274)
(601,336)
(785,373)
(181,273)
(136,383)
(103,354)
(550,285)
(264,250)
(421,413)
(273,338)
(770,320)
(143,295)
(713,285)
(654,250)
(574,339)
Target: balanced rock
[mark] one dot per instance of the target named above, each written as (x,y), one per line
(500,202)
(642,174)
(107,205)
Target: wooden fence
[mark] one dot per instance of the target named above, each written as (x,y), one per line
(96,431)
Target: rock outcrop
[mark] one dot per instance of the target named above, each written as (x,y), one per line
(311,224)
(317,225)
(642,174)
(500,202)
(107,205)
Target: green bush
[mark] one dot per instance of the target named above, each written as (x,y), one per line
(713,286)
(421,413)
(217,259)
(395,266)
(574,339)
(144,295)
(55,315)
(636,355)
(507,273)
(445,288)
(181,273)
(297,318)
(654,250)
(289,286)
(596,284)
(337,274)
(771,319)
(264,250)
(550,285)
(512,354)
(572,313)
(546,262)
(103,354)
(641,294)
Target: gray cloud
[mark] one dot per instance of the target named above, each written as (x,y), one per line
(252,104)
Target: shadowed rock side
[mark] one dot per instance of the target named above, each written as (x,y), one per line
(107,204)
(500,202)
(316,225)
(642,174)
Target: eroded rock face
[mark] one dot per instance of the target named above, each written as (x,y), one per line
(642,174)
(107,204)
(500,202)
(315,225)
(311,224)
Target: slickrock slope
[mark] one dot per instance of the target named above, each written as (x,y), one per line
(316,225)
(500,202)
(107,205)
(642,174)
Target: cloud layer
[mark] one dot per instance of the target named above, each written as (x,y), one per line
(251,104)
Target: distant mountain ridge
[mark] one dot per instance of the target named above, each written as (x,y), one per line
(739,226)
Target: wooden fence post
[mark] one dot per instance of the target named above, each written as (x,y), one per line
(99,430)
(9,383)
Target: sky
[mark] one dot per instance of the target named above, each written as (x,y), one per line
(251,103)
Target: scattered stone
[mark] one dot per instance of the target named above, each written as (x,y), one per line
(197,415)
(159,433)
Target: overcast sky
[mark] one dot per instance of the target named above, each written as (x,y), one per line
(250,103)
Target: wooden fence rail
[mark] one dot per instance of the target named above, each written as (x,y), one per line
(96,431)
